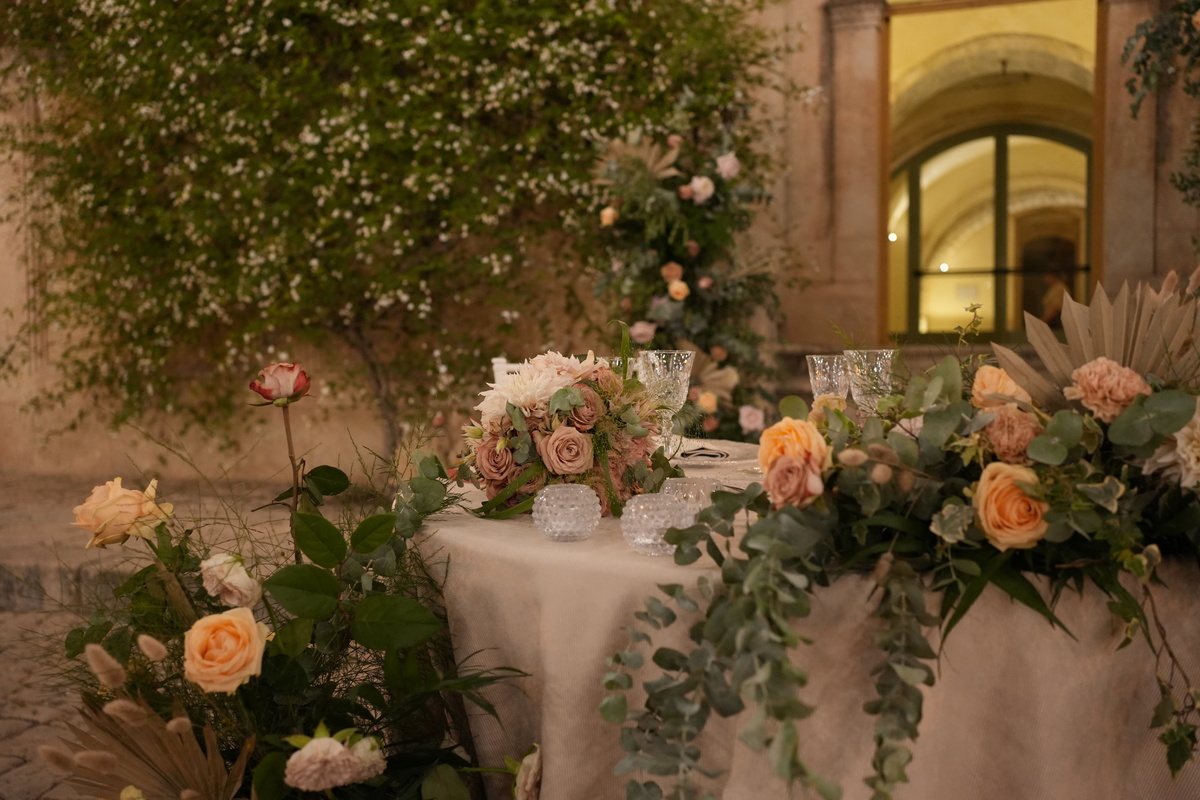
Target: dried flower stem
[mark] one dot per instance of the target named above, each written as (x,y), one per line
(287,429)
(175,593)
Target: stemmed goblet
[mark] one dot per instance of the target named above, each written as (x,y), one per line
(829,375)
(666,374)
(870,377)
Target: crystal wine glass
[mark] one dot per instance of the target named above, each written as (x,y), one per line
(829,375)
(870,377)
(666,375)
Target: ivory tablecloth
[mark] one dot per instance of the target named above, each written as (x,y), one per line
(1020,711)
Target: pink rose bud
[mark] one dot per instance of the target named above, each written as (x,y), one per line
(705,282)
(439,419)
(685,192)
(710,424)
(674,141)
(693,248)
(285,381)
(718,353)
(626,304)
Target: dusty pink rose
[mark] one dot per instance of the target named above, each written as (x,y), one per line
(495,462)
(671,271)
(674,141)
(584,417)
(702,189)
(710,424)
(113,513)
(1011,432)
(567,451)
(705,283)
(626,304)
(642,331)
(718,353)
(284,381)
(685,192)
(751,419)
(1105,388)
(728,166)
(678,290)
(793,481)
(609,383)
(693,248)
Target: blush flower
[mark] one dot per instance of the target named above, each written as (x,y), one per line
(113,513)
(728,166)
(642,331)
(284,382)
(751,419)
(1178,457)
(1008,516)
(226,578)
(990,380)
(793,481)
(702,189)
(495,461)
(1011,432)
(1105,388)
(566,451)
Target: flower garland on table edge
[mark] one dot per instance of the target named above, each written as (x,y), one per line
(975,473)
(671,264)
(222,674)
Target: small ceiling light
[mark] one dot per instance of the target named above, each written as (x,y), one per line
(944,267)
(892,237)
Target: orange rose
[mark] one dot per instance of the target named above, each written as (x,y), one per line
(112,513)
(671,271)
(991,380)
(1008,516)
(223,651)
(678,290)
(793,437)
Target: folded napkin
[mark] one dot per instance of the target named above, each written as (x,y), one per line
(703,453)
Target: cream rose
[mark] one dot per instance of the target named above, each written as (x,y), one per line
(567,451)
(728,166)
(223,651)
(751,419)
(793,481)
(113,513)
(1009,517)
(991,380)
(793,437)
(226,579)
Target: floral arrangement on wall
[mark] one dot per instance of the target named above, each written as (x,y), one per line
(678,274)
(981,472)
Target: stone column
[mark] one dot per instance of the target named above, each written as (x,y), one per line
(1124,190)
(859,118)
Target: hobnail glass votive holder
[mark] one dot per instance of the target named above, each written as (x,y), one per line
(646,519)
(566,512)
(696,492)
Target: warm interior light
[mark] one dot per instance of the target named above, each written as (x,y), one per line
(892,237)
(944,267)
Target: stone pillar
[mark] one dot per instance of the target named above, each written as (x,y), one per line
(859,118)
(1125,194)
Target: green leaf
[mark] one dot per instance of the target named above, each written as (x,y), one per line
(1018,587)
(1170,410)
(305,590)
(319,539)
(390,622)
(972,591)
(268,777)
(613,709)
(1180,740)
(373,532)
(428,495)
(328,480)
(952,521)
(1066,427)
(1133,427)
(794,407)
(949,370)
(1047,450)
(293,637)
(443,783)
(1164,712)
(1104,494)
(565,399)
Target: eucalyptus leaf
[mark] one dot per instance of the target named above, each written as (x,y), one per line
(613,709)
(1169,410)
(1132,427)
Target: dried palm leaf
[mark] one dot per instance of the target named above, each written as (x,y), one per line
(1152,333)
(148,755)
(658,161)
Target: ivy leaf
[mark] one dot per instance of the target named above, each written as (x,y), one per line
(1104,494)
(952,521)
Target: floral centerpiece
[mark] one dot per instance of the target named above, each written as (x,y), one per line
(272,663)
(564,419)
(674,269)
(980,472)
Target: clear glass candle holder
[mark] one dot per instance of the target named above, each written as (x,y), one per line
(566,512)
(696,492)
(646,519)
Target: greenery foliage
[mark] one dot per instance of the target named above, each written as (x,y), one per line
(1163,50)
(1102,491)
(218,183)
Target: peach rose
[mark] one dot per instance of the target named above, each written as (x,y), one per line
(281,382)
(671,271)
(1008,516)
(678,290)
(495,463)
(1106,388)
(1011,432)
(822,405)
(991,380)
(608,216)
(223,651)
(793,481)
(794,437)
(567,451)
(112,513)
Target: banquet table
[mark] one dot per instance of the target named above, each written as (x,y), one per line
(1020,711)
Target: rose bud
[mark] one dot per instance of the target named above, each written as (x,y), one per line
(674,141)
(282,383)
(608,216)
